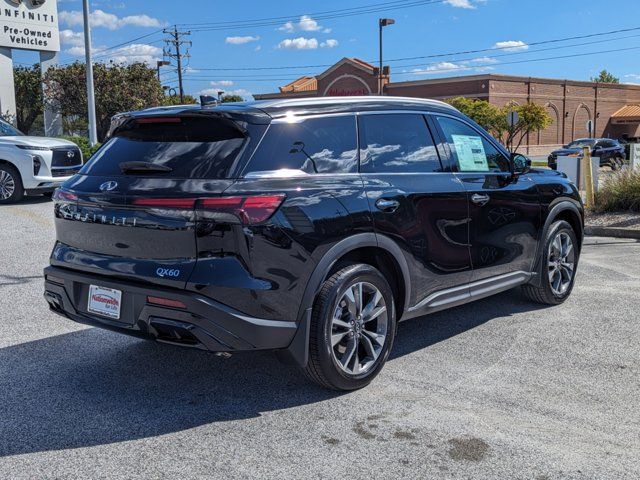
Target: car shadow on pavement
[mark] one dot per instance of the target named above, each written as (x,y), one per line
(92,387)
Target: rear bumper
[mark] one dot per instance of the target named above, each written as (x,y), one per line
(203,324)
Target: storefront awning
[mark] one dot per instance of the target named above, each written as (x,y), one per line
(627,114)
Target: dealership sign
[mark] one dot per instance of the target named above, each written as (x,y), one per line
(29,25)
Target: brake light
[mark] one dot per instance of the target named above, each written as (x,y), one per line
(61,195)
(248,210)
(166,302)
(185,203)
(159,120)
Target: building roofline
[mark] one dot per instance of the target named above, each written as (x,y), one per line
(514,78)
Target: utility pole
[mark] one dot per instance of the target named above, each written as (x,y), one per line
(173,51)
(382,22)
(91,97)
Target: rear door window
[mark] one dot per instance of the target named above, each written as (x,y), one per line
(191,147)
(313,145)
(397,143)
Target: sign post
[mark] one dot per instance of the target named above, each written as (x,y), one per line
(28,25)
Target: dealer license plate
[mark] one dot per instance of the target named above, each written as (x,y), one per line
(105,301)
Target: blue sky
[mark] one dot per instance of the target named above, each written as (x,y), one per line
(305,39)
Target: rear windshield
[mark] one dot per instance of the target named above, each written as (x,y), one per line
(190,147)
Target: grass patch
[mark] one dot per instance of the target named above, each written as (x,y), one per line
(620,192)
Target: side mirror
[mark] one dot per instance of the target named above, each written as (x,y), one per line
(521,164)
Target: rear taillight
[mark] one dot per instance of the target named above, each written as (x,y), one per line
(246,210)
(61,195)
(166,302)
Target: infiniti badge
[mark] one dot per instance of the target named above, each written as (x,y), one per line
(71,154)
(108,186)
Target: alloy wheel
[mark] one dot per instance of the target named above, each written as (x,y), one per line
(7,185)
(561,263)
(359,328)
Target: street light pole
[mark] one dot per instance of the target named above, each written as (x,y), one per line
(91,97)
(382,22)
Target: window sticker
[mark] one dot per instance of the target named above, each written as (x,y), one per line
(471,154)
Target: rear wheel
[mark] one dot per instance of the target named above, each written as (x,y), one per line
(352,328)
(559,260)
(11,189)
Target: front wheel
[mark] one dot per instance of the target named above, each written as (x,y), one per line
(352,328)
(11,189)
(559,259)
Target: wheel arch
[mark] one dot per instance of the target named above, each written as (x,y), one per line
(565,209)
(379,250)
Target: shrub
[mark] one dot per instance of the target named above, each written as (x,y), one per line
(620,192)
(83,143)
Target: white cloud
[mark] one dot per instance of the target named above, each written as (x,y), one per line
(300,43)
(477,65)
(329,43)
(460,3)
(306,24)
(110,21)
(134,53)
(246,94)
(258,48)
(511,46)
(71,38)
(484,60)
(222,83)
(241,40)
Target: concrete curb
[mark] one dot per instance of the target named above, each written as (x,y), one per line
(611,232)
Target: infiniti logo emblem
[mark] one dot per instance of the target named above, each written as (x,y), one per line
(71,154)
(108,186)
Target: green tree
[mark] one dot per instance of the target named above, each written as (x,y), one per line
(119,88)
(29,103)
(170,100)
(605,77)
(486,115)
(531,118)
(231,98)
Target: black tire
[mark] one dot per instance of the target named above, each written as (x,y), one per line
(544,293)
(323,367)
(18,189)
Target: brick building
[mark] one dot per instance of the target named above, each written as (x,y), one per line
(613,108)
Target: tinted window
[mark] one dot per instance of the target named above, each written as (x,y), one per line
(397,143)
(315,145)
(470,150)
(7,130)
(191,147)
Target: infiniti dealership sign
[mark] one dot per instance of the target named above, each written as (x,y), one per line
(29,25)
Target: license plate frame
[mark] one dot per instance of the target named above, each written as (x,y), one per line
(105,302)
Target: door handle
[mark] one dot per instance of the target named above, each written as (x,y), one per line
(479,199)
(387,205)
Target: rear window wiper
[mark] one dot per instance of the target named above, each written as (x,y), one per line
(143,167)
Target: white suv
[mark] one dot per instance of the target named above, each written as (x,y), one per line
(33,165)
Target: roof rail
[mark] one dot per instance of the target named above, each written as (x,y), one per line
(360,99)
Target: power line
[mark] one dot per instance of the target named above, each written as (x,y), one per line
(327,15)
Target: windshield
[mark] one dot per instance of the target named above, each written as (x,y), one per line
(7,130)
(582,143)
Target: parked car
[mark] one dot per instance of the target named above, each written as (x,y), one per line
(308,226)
(33,165)
(610,152)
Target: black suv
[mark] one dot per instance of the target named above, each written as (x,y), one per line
(308,226)
(610,152)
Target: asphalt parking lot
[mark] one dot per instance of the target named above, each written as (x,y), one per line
(497,389)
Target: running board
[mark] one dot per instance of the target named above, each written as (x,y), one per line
(452,297)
